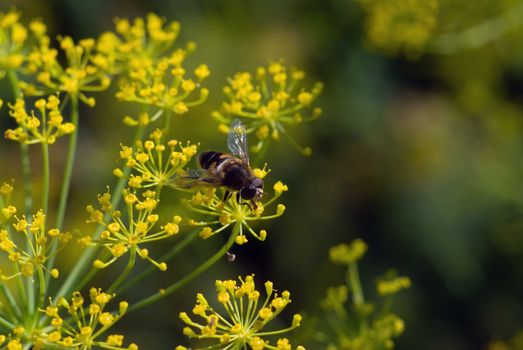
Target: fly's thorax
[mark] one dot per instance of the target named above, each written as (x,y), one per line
(235,174)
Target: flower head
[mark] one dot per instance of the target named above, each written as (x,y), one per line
(153,71)
(268,101)
(78,75)
(90,321)
(243,323)
(345,254)
(229,212)
(155,162)
(397,25)
(42,127)
(124,234)
(39,239)
(392,284)
(17,39)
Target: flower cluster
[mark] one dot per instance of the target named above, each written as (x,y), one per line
(230,212)
(81,73)
(396,25)
(32,255)
(242,325)
(345,254)
(391,285)
(358,325)
(16,40)
(88,324)
(379,335)
(153,69)
(154,161)
(268,101)
(128,233)
(43,129)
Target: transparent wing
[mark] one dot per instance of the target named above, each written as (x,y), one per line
(237,140)
(195,178)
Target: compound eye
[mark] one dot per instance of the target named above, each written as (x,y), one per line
(257,183)
(248,192)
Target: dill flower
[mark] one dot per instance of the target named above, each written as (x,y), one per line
(42,129)
(31,256)
(153,69)
(155,161)
(76,77)
(240,216)
(88,324)
(354,324)
(124,234)
(245,317)
(17,39)
(335,299)
(396,25)
(267,102)
(345,254)
(391,284)
(379,335)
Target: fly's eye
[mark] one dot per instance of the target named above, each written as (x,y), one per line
(248,192)
(257,183)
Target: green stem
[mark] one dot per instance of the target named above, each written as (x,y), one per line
(92,272)
(353,278)
(24,150)
(260,156)
(41,295)
(195,273)
(66,184)
(358,299)
(11,301)
(126,271)
(6,324)
(45,189)
(169,255)
(167,124)
(86,257)
(69,163)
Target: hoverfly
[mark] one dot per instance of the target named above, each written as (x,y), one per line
(231,171)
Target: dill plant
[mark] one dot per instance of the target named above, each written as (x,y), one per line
(143,58)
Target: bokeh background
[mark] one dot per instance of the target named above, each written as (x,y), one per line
(419,152)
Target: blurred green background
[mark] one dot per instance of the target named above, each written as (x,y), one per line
(419,152)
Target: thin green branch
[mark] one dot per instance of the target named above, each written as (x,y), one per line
(86,258)
(195,273)
(175,250)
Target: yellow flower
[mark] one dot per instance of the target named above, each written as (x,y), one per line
(127,234)
(345,254)
(155,161)
(152,67)
(396,25)
(393,285)
(17,41)
(33,255)
(80,73)
(45,129)
(268,103)
(242,324)
(231,213)
(85,332)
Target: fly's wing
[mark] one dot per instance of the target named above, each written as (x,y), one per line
(237,140)
(195,178)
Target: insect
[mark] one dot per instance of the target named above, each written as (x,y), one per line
(231,171)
